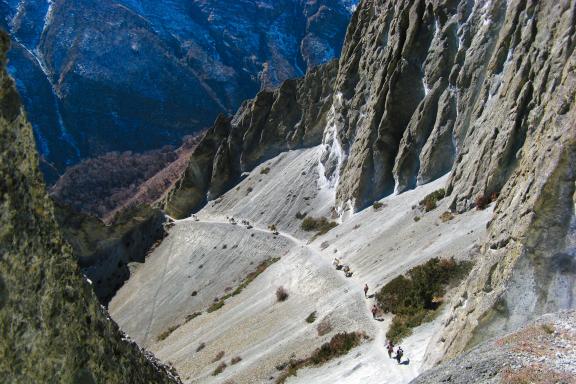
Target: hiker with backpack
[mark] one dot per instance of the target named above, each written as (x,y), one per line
(399,354)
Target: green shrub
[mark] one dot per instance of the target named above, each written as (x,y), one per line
(219,369)
(319,225)
(446,216)
(311,318)
(167,332)
(429,202)
(414,298)
(216,306)
(339,345)
(300,216)
(265,171)
(235,360)
(192,316)
(377,205)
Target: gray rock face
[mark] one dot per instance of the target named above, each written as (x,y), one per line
(52,328)
(103,251)
(484,89)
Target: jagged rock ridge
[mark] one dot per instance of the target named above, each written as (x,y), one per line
(484,89)
(293,116)
(52,327)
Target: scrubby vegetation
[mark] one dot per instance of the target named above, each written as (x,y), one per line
(338,346)
(311,318)
(219,369)
(548,328)
(319,225)
(377,205)
(281,294)
(324,327)
(235,360)
(481,202)
(216,306)
(414,298)
(446,216)
(104,184)
(429,202)
(164,335)
(218,356)
(300,216)
(247,280)
(192,316)
(201,346)
(265,170)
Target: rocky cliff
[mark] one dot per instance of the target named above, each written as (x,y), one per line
(52,328)
(482,89)
(97,76)
(543,351)
(105,251)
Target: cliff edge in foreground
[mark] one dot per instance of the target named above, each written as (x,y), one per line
(52,328)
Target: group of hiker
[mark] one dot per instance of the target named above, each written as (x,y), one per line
(399,351)
(342,267)
(247,224)
(389,344)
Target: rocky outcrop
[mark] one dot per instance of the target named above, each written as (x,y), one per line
(541,352)
(293,116)
(52,328)
(104,251)
(117,75)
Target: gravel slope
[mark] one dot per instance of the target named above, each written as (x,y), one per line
(377,244)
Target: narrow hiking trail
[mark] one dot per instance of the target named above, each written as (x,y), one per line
(398,373)
(207,256)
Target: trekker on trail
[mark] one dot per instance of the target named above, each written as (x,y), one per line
(390,348)
(366,290)
(374,310)
(399,354)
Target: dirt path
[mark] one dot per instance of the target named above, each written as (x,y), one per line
(353,283)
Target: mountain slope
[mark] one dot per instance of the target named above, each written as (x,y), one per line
(169,302)
(52,327)
(98,76)
(483,90)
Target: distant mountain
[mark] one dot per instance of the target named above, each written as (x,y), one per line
(104,75)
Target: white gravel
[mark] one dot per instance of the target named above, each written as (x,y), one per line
(377,244)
